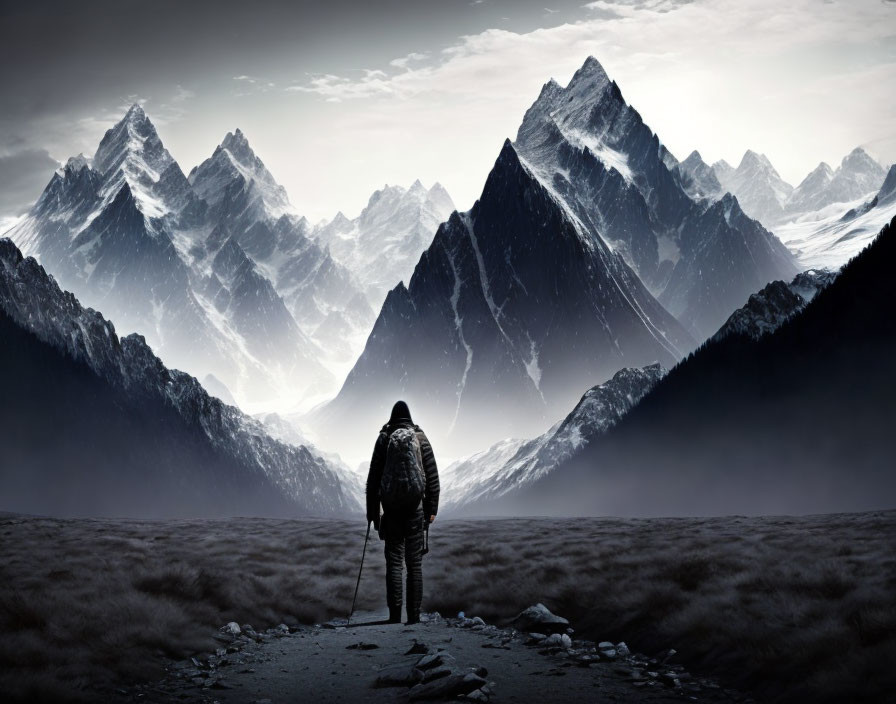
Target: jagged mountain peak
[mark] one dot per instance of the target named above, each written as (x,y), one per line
(694,158)
(135,112)
(236,143)
(823,168)
(235,166)
(75,163)
(752,159)
(860,160)
(132,151)
(591,74)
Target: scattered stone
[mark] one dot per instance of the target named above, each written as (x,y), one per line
(557,640)
(607,650)
(400,675)
(496,646)
(447,687)
(477,695)
(282,628)
(535,638)
(434,673)
(539,618)
(418,648)
(668,655)
(362,646)
(233,628)
(435,660)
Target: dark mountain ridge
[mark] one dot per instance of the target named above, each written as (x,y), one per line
(97,425)
(797,421)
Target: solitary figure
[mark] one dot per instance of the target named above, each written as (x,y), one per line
(404,479)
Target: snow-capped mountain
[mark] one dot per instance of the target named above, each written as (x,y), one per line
(698,178)
(858,176)
(383,244)
(544,287)
(515,307)
(468,485)
(759,189)
(186,452)
(613,174)
(132,236)
(766,310)
(248,208)
(831,236)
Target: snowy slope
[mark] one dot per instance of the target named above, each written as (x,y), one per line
(857,177)
(34,301)
(759,189)
(831,236)
(383,244)
(511,464)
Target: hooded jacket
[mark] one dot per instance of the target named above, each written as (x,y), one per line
(378,463)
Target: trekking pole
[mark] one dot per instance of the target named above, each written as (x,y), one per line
(358,584)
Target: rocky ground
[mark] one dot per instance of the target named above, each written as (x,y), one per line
(537,659)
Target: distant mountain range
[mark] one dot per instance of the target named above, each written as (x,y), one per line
(219,256)
(565,270)
(828,218)
(765,196)
(97,425)
(383,244)
(592,261)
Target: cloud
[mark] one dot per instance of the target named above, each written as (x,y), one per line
(23,175)
(721,75)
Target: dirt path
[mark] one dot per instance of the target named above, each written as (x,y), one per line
(335,663)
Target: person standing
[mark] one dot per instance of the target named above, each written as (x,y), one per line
(404,481)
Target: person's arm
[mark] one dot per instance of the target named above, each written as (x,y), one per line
(431,497)
(374,476)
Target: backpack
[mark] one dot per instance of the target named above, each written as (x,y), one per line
(404,480)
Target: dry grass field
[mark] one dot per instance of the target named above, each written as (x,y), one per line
(785,608)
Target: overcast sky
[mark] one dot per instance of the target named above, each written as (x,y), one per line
(339,98)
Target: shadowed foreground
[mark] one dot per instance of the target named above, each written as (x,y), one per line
(780,607)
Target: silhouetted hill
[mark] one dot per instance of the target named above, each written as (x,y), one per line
(798,421)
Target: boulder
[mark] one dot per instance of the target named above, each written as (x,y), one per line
(401,675)
(434,673)
(447,687)
(233,628)
(435,660)
(539,618)
(557,640)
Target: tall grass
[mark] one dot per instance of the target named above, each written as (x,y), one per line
(782,607)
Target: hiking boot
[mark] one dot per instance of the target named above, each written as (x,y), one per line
(395,614)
